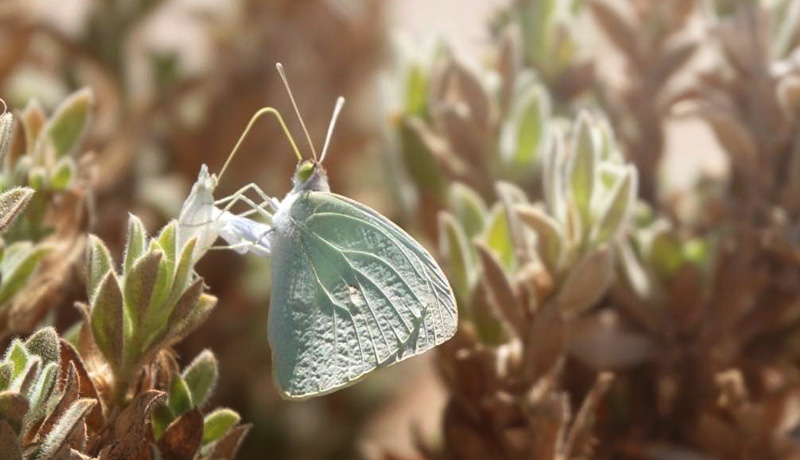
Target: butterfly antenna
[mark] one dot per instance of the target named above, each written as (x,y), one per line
(336,110)
(279,66)
(256,116)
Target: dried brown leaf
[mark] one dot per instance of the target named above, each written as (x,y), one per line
(182,438)
(227,447)
(129,434)
(86,388)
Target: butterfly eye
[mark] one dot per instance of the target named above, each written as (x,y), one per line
(304,171)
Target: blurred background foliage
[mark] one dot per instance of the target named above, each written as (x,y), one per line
(623,292)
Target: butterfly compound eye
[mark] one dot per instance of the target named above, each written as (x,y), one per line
(305,171)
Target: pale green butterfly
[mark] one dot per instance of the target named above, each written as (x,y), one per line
(351,291)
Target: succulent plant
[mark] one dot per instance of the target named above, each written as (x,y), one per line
(41,157)
(114,391)
(47,407)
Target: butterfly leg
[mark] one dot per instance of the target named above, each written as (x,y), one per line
(244,245)
(239,195)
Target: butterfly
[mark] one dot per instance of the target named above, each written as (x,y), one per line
(351,291)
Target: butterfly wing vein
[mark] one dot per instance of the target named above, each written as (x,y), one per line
(352,292)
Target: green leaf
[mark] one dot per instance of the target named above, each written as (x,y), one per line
(19,263)
(44,343)
(138,285)
(666,254)
(523,133)
(190,312)
(13,407)
(167,239)
(136,242)
(587,282)
(62,174)
(98,262)
(6,373)
(468,207)
(180,397)
(6,129)
(201,377)
(183,271)
(68,123)
(618,208)
(416,91)
(24,383)
(217,423)
(549,239)
(583,167)
(40,391)
(12,203)
(18,356)
(107,320)
(162,417)
(57,439)
(498,238)
(455,247)
(500,290)
(419,159)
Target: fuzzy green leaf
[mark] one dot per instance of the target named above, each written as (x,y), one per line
(13,407)
(498,236)
(6,373)
(136,242)
(6,128)
(583,166)
(12,203)
(420,161)
(618,207)
(44,343)
(522,135)
(40,391)
(162,417)
(98,262)
(57,439)
(416,91)
(138,285)
(190,312)
(468,207)
(183,271)
(68,123)
(107,320)
(217,423)
(62,174)
(500,290)
(24,383)
(180,396)
(18,356)
(19,263)
(201,377)
(455,247)
(548,235)
(587,282)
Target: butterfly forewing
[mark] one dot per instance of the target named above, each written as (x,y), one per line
(352,292)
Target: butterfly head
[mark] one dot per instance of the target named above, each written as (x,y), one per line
(310,176)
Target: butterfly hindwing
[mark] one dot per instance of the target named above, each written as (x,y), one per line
(352,292)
